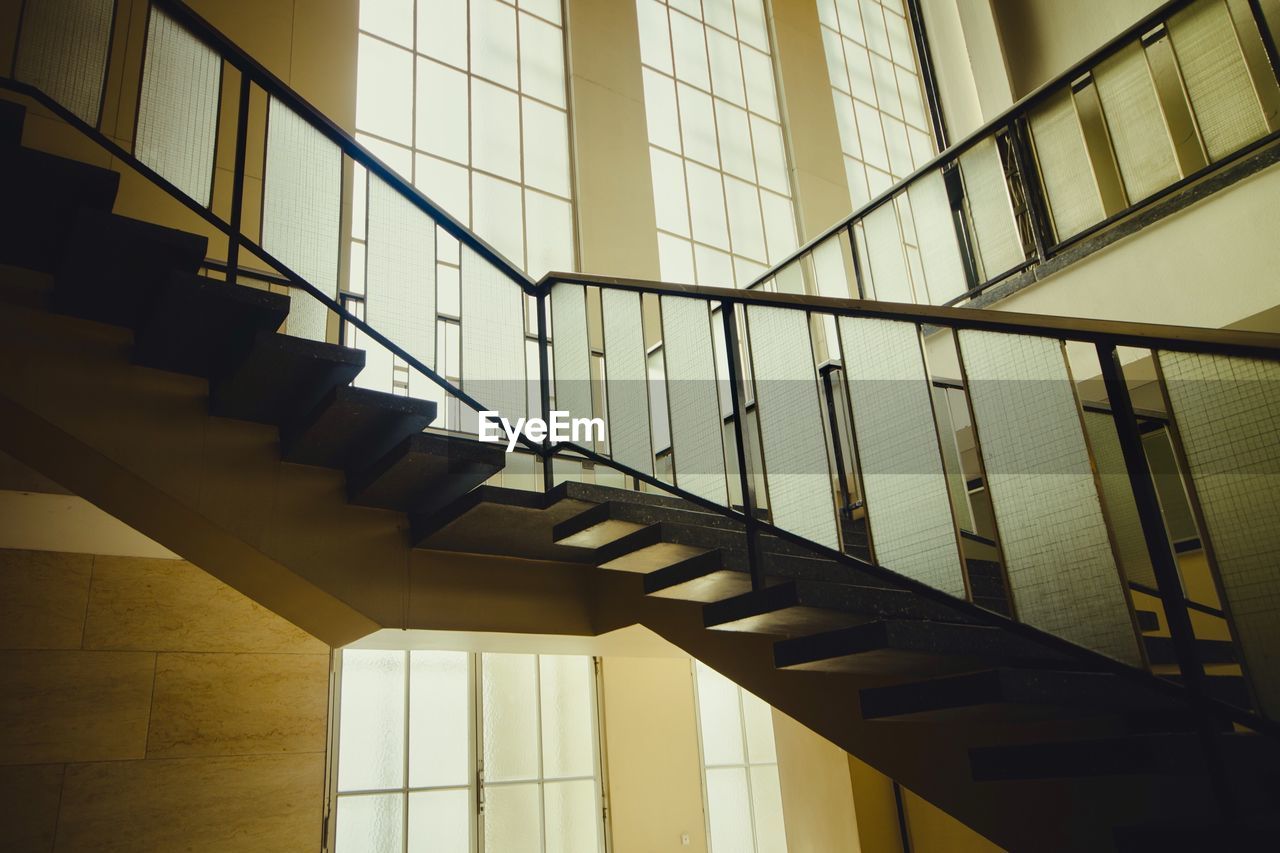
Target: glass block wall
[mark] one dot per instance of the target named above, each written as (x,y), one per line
(721,188)
(881,110)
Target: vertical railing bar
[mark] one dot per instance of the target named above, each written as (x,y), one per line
(1268,38)
(1033,190)
(828,392)
(544,385)
(737,393)
(1163,563)
(237,179)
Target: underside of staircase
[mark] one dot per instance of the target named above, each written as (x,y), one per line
(179,404)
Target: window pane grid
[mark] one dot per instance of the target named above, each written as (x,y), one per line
(711,106)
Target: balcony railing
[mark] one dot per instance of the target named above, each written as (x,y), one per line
(1189,89)
(789,413)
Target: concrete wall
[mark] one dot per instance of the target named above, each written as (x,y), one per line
(144,705)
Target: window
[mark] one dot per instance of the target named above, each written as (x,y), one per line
(881,110)
(740,767)
(721,189)
(454,752)
(466,99)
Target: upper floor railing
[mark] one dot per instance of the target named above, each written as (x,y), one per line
(793,415)
(1185,91)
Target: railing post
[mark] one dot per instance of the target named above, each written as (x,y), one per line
(544,383)
(737,397)
(1029,175)
(1163,564)
(829,395)
(237,179)
(1268,39)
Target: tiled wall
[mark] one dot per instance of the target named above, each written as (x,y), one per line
(144,705)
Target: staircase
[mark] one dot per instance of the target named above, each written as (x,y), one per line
(1035,743)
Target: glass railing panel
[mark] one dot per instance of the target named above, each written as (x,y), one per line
(63,50)
(1074,200)
(1225,412)
(1117,498)
(790,414)
(572,353)
(908,506)
(493,343)
(1058,556)
(301,212)
(940,256)
(694,409)
(890,280)
(1139,135)
(999,245)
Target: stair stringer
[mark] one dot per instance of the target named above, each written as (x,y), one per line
(141,445)
(930,759)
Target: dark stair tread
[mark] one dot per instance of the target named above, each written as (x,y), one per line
(1148,620)
(113,266)
(1232,689)
(1198,838)
(1008,693)
(728,575)
(12,117)
(799,608)
(281,377)
(204,327)
(652,547)
(53,190)
(607,522)
(910,647)
(1160,650)
(351,428)
(425,472)
(503,521)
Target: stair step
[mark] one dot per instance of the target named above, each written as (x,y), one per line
(12,116)
(1232,689)
(425,472)
(203,327)
(351,428)
(910,648)
(1160,651)
(729,575)
(801,608)
(53,191)
(112,266)
(1010,694)
(647,549)
(605,523)
(1172,838)
(282,377)
(1130,755)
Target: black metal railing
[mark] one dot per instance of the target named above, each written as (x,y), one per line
(745,360)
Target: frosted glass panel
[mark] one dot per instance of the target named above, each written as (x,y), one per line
(567,704)
(1062,574)
(990,208)
(1073,195)
(766,806)
(936,231)
(1216,77)
(439,719)
(729,810)
(790,417)
(512,822)
(400,286)
(62,50)
(719,717)
(372,823)
(759,721)
(546,148)
(384,90)
(624,370)
(492,337)
(1226,410)
(571,353)
(573,824)
(371,736)
(508,686)
(541,60)
(888,264)
(908,507)
(1139,137)
(1117,497)
(439,822)
(301,210)
(692,395)
(442,114)
(178,107)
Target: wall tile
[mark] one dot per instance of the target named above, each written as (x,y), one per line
(30,794)
(267,804)
(73,705)
(170,605)
(42,599)
(237,704)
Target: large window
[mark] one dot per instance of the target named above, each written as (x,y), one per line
(879,97)
(721,186)
(740,766)
(451,752)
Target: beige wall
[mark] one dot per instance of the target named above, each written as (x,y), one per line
(146,706)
